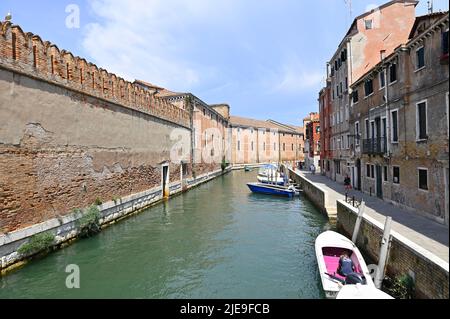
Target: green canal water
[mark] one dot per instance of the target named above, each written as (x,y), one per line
(215,241)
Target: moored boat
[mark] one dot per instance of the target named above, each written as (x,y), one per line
(330,246)
(272,189)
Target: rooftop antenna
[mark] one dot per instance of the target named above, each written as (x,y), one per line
(430,6)
(349,4)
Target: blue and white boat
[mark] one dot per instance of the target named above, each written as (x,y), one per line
(268,189)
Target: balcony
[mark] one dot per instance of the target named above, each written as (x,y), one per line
(374,146)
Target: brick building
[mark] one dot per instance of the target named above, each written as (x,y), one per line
(401,119)
(326,156)
(359,51)
(255,141)
(312,140)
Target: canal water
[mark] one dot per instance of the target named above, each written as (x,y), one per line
(215,241)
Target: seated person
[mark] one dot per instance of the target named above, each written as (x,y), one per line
(346,266)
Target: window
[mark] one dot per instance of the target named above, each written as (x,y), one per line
(336,67)
(337,90)
(385,173)
(355,96)
(445,42)
(252,146)
(420,58)
(368,24)
(368,170)
(396,175)
(423,179)
(317,129)
(367,129)
(357,133)
(333,94)
(338,168)
(264,146)
(394,128)
(274,146)
(382,80)
(421,121)
(346,84)
(372,171)
(393,73)
(292,147)
(239,145)
(340,86)
(284,147)
(368,87)
(204,114)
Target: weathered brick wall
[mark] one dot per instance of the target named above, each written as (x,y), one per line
(431,280)
(71,133)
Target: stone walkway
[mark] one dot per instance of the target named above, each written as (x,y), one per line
(425,232)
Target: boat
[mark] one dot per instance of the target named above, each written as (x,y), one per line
(268,189)
(278,180)
(329,247)
(268,174)
(247,169)
(359,291)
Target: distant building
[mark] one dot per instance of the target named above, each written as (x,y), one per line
(256,141)
(326,155)
(312,140)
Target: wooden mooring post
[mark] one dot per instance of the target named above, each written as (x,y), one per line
(358,221)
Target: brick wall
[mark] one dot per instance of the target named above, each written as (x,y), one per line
(431,277)
(71,133)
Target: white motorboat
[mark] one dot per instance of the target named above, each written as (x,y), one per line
(330,246)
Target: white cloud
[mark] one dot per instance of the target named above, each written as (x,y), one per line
(149,39)
(295,77)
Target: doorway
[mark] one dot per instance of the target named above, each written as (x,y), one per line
(358,174)
(165,181)
(379,182)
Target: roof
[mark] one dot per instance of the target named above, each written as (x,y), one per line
(419,19)
(247,122)
(167,93)
(148,84)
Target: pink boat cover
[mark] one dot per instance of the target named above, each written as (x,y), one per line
(331,257)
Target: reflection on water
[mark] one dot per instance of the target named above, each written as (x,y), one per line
(216,241)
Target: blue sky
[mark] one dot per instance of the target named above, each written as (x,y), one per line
(265,58)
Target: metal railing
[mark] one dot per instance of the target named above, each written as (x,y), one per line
(375,146)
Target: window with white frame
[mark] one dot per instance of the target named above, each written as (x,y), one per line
(382,80)
(421,121)
(394,126)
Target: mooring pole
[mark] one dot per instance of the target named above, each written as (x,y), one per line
(383,252)
(358,222)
